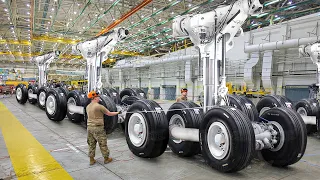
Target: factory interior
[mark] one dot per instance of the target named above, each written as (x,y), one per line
(159,89)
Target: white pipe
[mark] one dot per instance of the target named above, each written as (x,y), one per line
(309,119)
(158,61)
(185,134)
(291,43)
(33,96)
(75,109)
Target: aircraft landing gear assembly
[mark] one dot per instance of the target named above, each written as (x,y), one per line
(227,129)
(36,94)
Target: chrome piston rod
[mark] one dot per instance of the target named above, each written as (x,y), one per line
(312,120)
(75,109)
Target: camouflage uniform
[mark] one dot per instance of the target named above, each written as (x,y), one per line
(95,128)
(97,134)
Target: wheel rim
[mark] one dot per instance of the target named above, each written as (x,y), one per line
(72,101)
(51,104)
(137,129)
(280,136)
(302,111)
(19,93)
(42,98)
(264,109)
(30,91)
(123,97)
(218,140)
(176,120)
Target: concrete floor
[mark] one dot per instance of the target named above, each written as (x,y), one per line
(66,142)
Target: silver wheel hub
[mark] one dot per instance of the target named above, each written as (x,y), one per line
(30,91)
(302,111)
(72,101)
(19,93)
(280,135)
(137,129)
(218,140)
(51,104)
(42,98)
(177,120)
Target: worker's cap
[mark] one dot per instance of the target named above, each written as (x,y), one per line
(93,94)
(184,90)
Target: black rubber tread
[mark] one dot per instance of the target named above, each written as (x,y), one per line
(139,93)
(295,137)
(191,120)
(24,91)
(114,94)
(133,92)
(255,114)
(242,138)
(127,92)
(35,91)
(80,101)
(130,100)
(273,101)
(45,90)
(61,101)
(106,92)
(64,90)
(311,107)
(110,122)
(243,105)
(157,129)
(58,85)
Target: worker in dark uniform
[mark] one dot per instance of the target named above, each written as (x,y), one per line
(183,97)
(95,127)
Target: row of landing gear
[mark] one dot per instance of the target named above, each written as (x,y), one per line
(227,136)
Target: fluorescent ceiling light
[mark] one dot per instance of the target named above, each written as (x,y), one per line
(272,2)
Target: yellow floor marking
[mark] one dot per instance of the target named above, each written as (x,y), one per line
(29,158)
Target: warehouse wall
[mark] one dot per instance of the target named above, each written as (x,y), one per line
(287,68)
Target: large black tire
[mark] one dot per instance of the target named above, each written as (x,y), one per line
(271,101)
(295,134)
(308,107)
(59,111)
(156,132)
(241,136)
(32,89)
(245,105)
(77,98)
(21,94)
(42,97)
(64,90)
(132,92)
(110,122)
(106,92)
(129,100)
(188,118)
(114,95)
(141,93)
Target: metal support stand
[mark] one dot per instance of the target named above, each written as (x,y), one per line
(43,63)
(95,51)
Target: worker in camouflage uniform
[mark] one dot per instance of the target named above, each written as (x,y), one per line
(183,96)
(95,127)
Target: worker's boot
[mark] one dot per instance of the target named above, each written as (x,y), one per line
(92,161)
(107,160)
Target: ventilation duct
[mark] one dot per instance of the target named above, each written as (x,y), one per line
(143,63)
(266,75)
(292,43)
(248,70)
